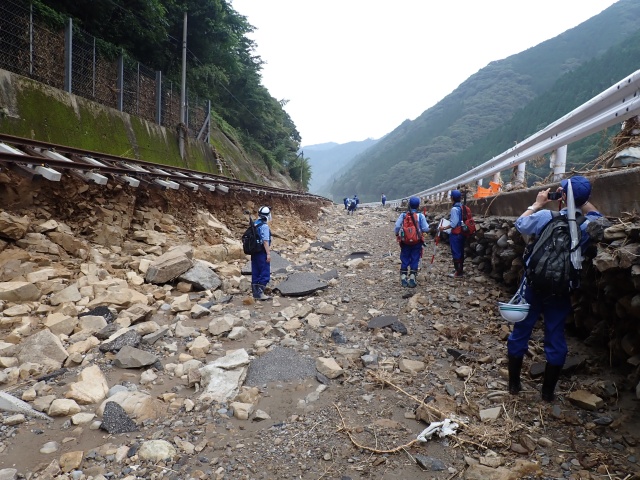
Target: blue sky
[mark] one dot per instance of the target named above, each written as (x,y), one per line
(356,69)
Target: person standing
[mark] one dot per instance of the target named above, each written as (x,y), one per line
(554,307)
(411,250)
(384,200)
(456,238)
(261,261)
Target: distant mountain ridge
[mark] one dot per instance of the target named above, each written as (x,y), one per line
(425,151)
(327,159)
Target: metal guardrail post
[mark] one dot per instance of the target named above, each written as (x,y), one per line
(68,54)
(558,162)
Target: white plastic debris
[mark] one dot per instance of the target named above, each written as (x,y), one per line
(443,429)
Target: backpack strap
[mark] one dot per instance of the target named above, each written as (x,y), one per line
(413,219)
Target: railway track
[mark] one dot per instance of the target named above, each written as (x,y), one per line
(48,160)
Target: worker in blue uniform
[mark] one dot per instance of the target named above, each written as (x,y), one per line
(554,308)
(261,261)
(410,254)
(456,238)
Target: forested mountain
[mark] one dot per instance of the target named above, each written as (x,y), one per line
(521,94)
(327,159)
(221,64)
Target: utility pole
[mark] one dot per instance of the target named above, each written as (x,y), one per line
(182,132)
(301,165)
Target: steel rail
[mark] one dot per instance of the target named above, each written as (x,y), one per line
(114,165)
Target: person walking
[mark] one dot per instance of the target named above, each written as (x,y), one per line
(383,199)
(351,206)
(456,238)
(409,229)
(261,261)
(554,307)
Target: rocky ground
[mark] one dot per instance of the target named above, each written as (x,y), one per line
(204,383)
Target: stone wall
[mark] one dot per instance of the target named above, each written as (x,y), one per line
(607,307)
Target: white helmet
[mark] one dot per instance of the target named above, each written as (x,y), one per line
(265,212)
(516,310)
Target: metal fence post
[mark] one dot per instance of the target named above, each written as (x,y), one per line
(120,83)
(208,137)
(159,97)
(138,90)
(30,39)
(68,54)
(94,68)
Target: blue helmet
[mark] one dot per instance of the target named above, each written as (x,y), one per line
(456,195)
(581,189)
(414,202)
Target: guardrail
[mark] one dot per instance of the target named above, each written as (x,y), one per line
(614,105)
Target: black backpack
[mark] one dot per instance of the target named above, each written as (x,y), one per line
(548,266)
(251,242)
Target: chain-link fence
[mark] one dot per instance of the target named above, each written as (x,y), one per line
(31,49)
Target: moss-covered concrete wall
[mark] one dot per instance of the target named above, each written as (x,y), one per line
(33,110)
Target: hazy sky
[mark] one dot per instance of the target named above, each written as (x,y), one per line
(356,69)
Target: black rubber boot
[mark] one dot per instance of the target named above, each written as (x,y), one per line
(551,376)
(515,366)
(457,265)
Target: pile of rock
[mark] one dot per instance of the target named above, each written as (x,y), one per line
(607,307)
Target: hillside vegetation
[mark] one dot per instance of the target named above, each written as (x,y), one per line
(500,105)
(221,64)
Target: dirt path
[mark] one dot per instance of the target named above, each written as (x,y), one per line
(343,429)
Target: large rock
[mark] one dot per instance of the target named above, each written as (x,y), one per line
(220,253)
(156,451)
(328,367)
(92,386)
(71,244)
(170,265)
(140,406)
(119,296)
(201,276)
(70,294)
(13,227)
(44,348)
(115,420)
(222,378)
(63,407)
(129,338)
(130,357)
(19,292)
(300,284)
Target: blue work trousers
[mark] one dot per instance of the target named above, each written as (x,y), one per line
(456,241)
(555,310)
(410,256)
(260,269)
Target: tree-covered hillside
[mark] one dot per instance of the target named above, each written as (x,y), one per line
(221,63)
(570,91)
(428,150)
